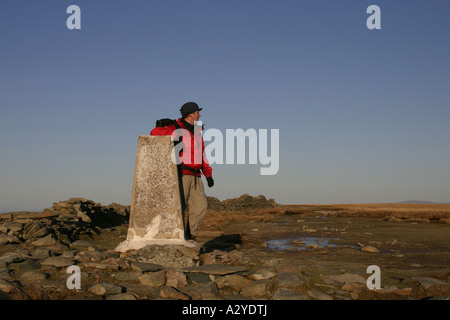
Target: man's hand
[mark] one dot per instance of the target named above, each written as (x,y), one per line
(210,181)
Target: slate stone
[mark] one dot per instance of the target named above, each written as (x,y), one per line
(216,269)
(153,279)
(283,294)
(145,266)
(57,262)
(106,289)
(289,279)
(257,289)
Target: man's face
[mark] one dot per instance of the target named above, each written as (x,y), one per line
(195,116)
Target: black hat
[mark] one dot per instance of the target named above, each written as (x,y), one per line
(188,108)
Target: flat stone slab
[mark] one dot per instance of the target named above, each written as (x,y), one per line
(145,266)
(427,282)
(57,262)
(216,269)
(167,256)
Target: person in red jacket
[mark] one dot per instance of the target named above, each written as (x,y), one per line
(193,162)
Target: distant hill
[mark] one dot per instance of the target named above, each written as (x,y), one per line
(424,202)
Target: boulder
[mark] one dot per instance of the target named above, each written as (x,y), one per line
(258,289)
(153,279)
(283,294)
(172,293)
(105,289)
(289,279)
(202,291)
(168,256)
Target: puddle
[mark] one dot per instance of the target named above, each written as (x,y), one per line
(301,243)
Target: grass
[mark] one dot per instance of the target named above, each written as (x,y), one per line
(409,212)
(399,211)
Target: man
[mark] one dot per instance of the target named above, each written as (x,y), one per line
(193,162)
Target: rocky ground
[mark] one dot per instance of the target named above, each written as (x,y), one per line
(248,248)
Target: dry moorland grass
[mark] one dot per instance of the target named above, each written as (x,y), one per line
(408,212)
(394,211)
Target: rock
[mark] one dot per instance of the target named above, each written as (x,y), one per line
(6,286)
(202,291)
(48,240)
(289,279)
(403,291)
(58,261)
(83,216)
(34,229)
(317,295)
(103,265)
(216,269)
(353,287)
(122,296)
(190,252)
(7,239)
(28,265)
(3,268)
(282,294)
(196,278)
(168,256)
(69,254)
(233,281)
(222,257)
(33,276)
(79,200)
(105,289)
(172,293)
(427,282)
(125,276)
(91,256)
(145,267)
(369,249)
(176,279)
(153,279)
(13,226)
(27,215)
(347,277)
(243,203)
(82,245)
(11,257)
(261,274)
(257,289)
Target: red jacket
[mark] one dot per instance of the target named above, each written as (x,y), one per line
(196,148)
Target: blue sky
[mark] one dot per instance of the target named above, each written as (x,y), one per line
(363,114)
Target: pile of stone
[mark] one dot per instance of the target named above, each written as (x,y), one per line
(39,251)
(243,203)
(91,212)
(152,272)
(64,222)
(171,272)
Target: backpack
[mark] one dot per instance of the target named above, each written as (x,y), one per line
(165,122)
(164,127)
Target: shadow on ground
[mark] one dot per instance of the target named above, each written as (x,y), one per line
(223,243)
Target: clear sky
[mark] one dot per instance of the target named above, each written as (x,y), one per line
(363,115)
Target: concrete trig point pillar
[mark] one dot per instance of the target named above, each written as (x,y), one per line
(156,215)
